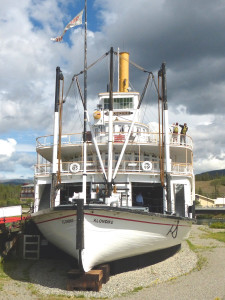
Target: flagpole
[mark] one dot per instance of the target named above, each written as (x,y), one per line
(85,110)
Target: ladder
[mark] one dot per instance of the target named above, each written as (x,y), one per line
(31,246)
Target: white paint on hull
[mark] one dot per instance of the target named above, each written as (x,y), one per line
(111,235)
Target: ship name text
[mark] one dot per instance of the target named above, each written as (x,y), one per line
(103,221)
(67,221)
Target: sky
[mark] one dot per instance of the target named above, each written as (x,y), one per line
(186,34)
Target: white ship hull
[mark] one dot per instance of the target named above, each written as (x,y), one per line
(111,234)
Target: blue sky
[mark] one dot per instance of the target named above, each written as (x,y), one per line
(183,33)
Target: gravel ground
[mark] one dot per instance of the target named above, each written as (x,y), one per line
(160,281)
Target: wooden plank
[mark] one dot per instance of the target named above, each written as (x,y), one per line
(106,272)
(91,280)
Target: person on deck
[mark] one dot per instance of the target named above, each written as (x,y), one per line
(183,132)
(175,132)
(139,199)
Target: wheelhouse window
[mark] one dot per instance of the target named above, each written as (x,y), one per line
(106,103)
(119,103)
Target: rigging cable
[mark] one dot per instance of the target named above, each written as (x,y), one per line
(81,72)
(76,105)
(145,108)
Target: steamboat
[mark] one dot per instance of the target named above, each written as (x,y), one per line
(118,188)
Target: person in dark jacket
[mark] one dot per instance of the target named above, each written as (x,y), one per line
(183,132)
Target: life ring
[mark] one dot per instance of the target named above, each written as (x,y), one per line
(97,115)
(74,168)
(146,166)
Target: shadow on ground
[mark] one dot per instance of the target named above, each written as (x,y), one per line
(52,267)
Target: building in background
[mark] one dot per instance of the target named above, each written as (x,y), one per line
(27,192)
(204,201)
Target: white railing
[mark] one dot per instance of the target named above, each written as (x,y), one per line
(70,139)
(181,168)
(150,138)
(125,167)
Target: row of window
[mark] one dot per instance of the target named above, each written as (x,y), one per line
(119,103)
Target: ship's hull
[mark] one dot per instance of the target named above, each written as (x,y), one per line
(110,234)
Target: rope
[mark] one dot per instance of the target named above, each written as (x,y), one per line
(81,72)
(134,64)
(101,58)
(76,105)
(94,63)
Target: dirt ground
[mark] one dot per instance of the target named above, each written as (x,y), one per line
(205,282)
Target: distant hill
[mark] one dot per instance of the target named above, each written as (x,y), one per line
(16,181)
(210,175)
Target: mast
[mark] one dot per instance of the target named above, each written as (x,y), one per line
(167,140)
(110,140)
(59,76)
(85,111)
(118,68)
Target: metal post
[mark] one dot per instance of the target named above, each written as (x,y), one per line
(80,229)
(85,111)
(167,139)
(110,139)
(59,76)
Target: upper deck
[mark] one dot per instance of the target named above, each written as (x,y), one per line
(142,146)
(73,142)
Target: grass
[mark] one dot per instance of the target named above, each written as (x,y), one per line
(2,273)
(219,236)
(202,261)
(137,289)
(218,225)
(207,188)
(208,234)
(198,248)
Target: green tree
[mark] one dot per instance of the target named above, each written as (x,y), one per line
(9,194)
(215,183)
(200,191)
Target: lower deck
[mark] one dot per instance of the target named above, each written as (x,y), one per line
(123,194)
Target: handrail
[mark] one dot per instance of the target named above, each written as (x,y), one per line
(126,166)
(150,138)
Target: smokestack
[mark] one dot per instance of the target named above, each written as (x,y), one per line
(124,72)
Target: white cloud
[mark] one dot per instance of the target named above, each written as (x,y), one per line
(152,31)
(7,147)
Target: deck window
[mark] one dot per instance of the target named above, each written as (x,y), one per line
(119,103)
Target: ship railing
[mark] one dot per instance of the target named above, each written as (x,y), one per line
(150,138)
(126,166)
(182,168)
(43,169)
(70,139)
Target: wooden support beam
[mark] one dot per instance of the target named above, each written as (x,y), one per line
(106,272)
(91,280)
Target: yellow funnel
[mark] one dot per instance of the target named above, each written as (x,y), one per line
(124,72)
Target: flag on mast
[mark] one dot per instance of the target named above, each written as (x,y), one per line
(76,21)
